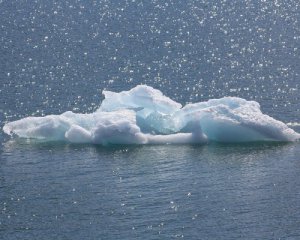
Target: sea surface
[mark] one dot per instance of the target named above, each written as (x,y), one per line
(58,56)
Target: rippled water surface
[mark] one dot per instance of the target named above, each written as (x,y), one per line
(156,192)
(58,56)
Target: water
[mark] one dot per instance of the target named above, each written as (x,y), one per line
(209,192)
(59,56)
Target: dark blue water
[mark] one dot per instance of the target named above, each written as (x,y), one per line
(58,56)
(153,192)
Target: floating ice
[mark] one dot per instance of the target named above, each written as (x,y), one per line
(143,115)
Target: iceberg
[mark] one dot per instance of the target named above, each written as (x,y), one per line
(143,115)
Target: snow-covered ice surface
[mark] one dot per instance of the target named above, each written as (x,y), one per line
(143,115)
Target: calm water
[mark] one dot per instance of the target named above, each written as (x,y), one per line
(58,56)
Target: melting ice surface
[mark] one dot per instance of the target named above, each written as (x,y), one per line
(143,115)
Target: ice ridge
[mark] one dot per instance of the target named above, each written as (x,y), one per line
(143,115)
